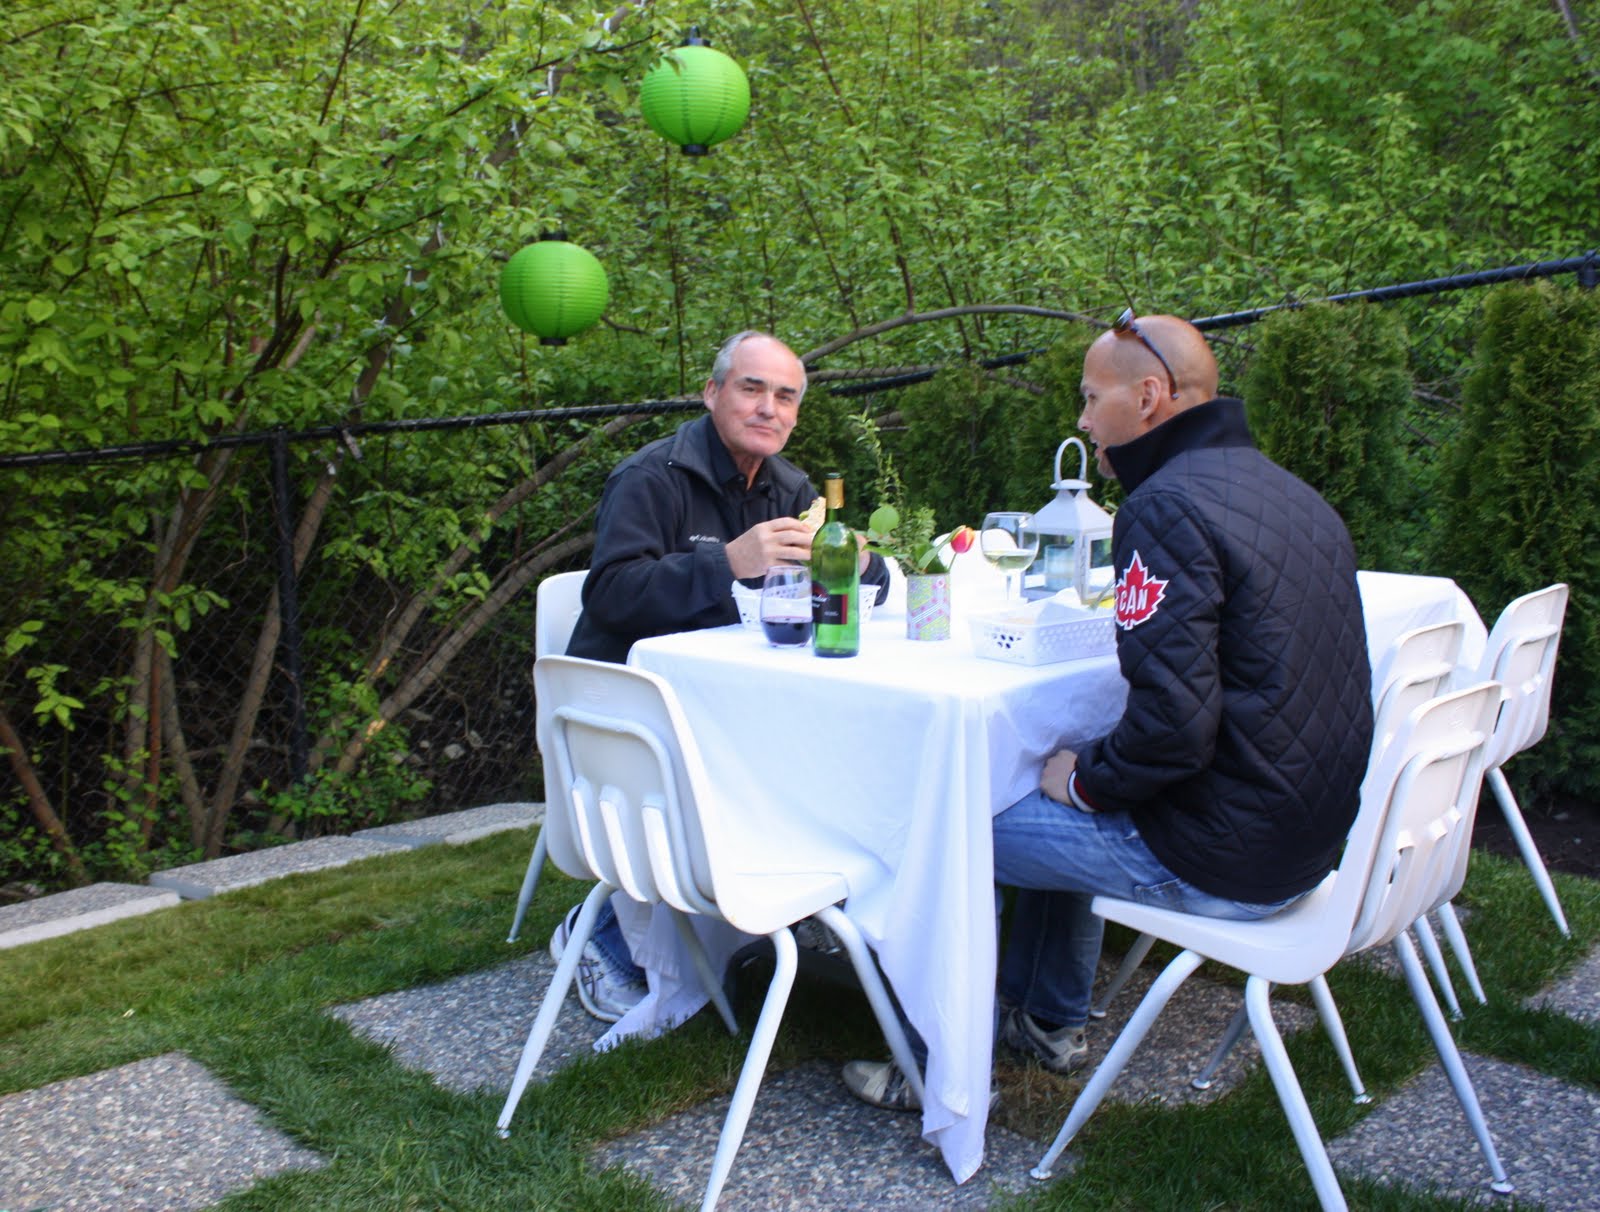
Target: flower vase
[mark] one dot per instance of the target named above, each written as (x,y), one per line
(928,606)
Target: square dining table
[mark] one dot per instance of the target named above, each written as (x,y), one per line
(888,767)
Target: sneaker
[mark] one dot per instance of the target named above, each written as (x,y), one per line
(1061,1051)
(884,1085)
(605,989)
(562,932)
(812,935)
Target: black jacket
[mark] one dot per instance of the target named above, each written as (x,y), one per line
(1242,748)
(665,513)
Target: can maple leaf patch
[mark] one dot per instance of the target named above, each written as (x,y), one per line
(1138,594)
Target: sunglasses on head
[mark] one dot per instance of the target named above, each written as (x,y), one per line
(1126,324)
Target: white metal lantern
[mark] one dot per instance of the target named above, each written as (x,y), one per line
(1074,535)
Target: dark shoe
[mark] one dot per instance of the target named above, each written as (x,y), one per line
(1060,1051)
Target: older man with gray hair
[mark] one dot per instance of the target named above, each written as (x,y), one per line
(679,521)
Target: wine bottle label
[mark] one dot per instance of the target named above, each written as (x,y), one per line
(828,609)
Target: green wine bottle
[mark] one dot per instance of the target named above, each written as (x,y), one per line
(835,580)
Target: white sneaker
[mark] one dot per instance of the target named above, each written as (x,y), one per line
(881,1083)
(605,989)
(884,1085)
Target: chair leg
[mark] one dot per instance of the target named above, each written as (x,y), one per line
(1144,1017)
(1125,970)
(1457,939)
(1530,853)
(1429,947)
(1326,1184)
(1230,1037)
(1333,1024)
(530,883)
(755,1064)
(877,996)
(1450,1059)
(550,1008)
(709,980)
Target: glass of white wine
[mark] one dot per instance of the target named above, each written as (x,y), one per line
(1009,542)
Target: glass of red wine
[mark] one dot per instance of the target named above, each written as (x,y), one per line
(786,605)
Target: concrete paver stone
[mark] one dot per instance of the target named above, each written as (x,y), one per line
(456,828)
(158,1135)
(200,880)
(78,909)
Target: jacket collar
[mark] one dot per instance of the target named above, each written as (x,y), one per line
(1216,423)
(697,449)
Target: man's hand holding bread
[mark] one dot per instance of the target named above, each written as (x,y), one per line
(781,541)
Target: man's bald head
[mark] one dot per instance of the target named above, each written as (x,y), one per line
(1126,389)
(1194,369)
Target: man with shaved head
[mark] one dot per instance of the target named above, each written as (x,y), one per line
(1230,783)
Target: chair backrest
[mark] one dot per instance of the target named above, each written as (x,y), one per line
(1416,667)
(1417,809)
(624,783)
(556,606)
(1521,656)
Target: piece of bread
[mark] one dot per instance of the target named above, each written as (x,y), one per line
(815,515)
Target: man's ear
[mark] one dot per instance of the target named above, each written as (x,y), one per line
(710,392)
(1149,402)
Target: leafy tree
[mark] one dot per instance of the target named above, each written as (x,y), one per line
(217,220)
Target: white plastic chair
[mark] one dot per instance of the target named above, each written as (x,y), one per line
(1521,656)
(1417,666)
(1399,852)
(556,606)
(631,806)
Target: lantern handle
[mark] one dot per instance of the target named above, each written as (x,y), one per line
(1083,458)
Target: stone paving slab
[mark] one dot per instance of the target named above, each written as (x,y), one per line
(456,828)
(469,1032)
(200,880)
(1546,1131)
(159,1135)
(809,1145)
(1577,995)
(78,909)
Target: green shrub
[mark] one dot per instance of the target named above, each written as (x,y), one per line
(1326,391)
(1521,505)
(1041,422)
(951,453)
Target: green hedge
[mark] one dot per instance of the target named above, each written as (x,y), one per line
(1521,508)
(1326,390)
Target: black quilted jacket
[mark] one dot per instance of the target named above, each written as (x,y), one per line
(1242,748)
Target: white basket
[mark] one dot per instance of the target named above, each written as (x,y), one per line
(1006,637)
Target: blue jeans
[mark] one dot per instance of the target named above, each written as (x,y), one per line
(1058,858)
(608,937)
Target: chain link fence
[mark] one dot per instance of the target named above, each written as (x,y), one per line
(329,630)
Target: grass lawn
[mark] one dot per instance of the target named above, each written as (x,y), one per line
(242,984)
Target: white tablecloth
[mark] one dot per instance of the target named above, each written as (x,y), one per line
(896,760)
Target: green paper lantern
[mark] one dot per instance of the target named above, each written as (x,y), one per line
(695,96)
(553,289)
